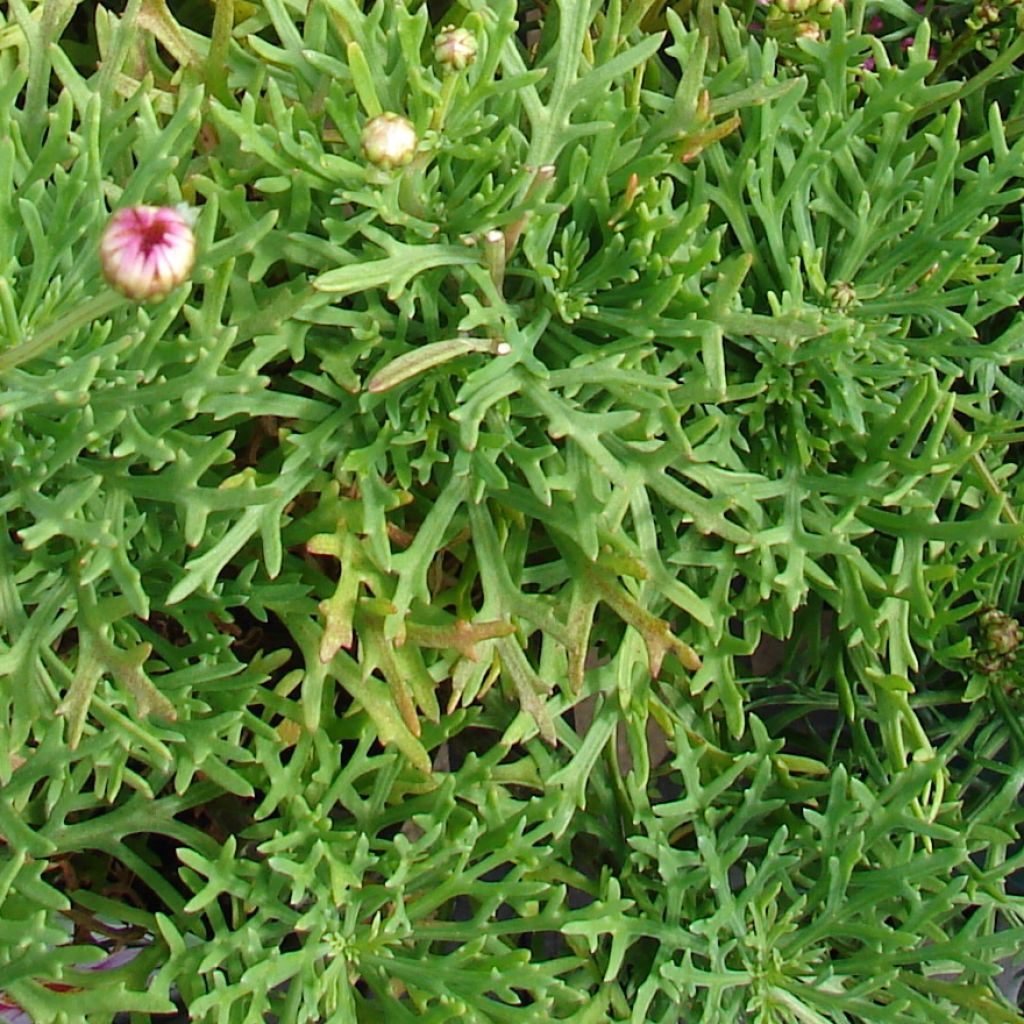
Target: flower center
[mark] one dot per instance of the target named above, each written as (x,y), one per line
(152,236)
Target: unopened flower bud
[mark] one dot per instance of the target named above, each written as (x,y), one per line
(389,140)
(986,12)
(842,293)
(147,250)
(1002,634)
(455,48)
(809,30)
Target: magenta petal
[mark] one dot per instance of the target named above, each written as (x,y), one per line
(147,250)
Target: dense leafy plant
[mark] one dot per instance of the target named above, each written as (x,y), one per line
(387,615)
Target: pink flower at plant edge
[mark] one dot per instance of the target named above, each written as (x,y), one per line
(12,1013)
(147,250)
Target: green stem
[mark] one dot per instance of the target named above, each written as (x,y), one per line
(217,58)
(93,309)
(494,256)
(1009,715)
(1002,63)
(549,121)
(155,17)
(441,110)
(140,815)
(989,482)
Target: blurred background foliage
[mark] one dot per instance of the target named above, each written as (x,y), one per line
(573,576)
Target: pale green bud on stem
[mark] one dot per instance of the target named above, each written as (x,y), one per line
(455,48)
(389,140)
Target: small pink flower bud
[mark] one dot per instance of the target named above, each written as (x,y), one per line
(147,250)
(389,140)
(455,48)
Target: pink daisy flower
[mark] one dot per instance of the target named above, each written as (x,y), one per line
(147,250)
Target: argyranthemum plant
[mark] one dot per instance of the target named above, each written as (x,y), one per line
(539,543)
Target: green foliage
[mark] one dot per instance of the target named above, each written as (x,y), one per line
(385,616)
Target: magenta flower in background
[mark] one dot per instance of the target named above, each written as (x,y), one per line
(908,42)
(12,1013)
(148,250)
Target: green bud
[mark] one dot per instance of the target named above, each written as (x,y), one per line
(843,295)
(389,140)
(1002,634)
(455,48)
